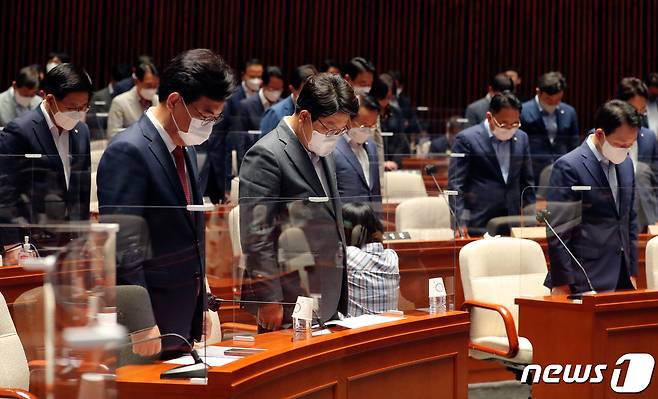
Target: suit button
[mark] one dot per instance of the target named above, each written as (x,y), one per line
(619,252)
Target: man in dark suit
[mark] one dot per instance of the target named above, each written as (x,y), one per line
(357,171)
(476,111)
(288,179)
(149,172)
(217,171)
(494,176)
(598,225)
(102,99)
(54,186)
(551,124)
(128,82)
(251,110)
(275,113)
(644,154)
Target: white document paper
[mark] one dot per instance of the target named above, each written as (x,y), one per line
(362,321)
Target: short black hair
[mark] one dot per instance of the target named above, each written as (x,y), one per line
(356,66)
(142,59)
(58,54)
(250,62)
(197,73)
(632,87)
(65,79)
(119,72)
(501,82)
(326,94)
(615,113)
(145,67)
(272,72)
(506,99)
(328,63)
(300,74)
(369,102)
(27,77)
(551,83)
(361,214)
(652,79)
(396,75)
(381,85)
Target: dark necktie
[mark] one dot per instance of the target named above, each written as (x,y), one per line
(179,157)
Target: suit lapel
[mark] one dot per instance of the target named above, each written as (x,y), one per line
(45,138)
(490,154)
(301,161)
(330,174)
(594,168)
(344,148)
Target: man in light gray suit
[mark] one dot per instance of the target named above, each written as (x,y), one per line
(476,112)
(288,181)
(21,96)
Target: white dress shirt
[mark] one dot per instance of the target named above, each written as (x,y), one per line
(317,163)
(61,143)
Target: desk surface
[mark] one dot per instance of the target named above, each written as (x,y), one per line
(402,359)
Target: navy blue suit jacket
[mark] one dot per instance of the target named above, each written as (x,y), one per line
(138,184)
(542,151)
(352,185)
(34,190)
(646,177)
(477,177)
(600,235)
(275,113)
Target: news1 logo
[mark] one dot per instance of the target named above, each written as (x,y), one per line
(634,377)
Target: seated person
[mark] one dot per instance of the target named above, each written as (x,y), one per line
(476,111)
(494,177)
(373,274)
(21,96)
(357,171)
(128,107)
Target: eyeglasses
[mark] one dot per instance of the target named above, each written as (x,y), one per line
(514,125)
(205,120)
(84,108)
(333,132)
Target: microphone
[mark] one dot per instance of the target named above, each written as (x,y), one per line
(197,370)
(542,216)
(431,170)
(214,303)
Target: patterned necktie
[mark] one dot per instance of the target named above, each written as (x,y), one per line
(179,157)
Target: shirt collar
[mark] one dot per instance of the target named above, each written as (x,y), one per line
(51,124)
(488,97)
(263,100)
(592,146)
(314,157)
(163,133)
(487,127)
(375,247)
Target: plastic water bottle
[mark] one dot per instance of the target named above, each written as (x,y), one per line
(301,329)
(25,252)
(438,304)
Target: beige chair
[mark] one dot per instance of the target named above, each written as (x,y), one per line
(652,263)
(95,159)
(234,196)
(424,218)
(93,194)
(494,272)
(401,185)
(14,370)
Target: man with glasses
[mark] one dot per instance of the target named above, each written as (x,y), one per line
(45,162)
(491,168)
(357,171)
(148,175)
(288,181)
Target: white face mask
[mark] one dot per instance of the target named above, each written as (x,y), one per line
(254,83)
(50,66)
(321,144)
(548,108)
(22,100)
(614,154)
(361,90)
(398,91)
(196,133)
(504,134)
(272,95)
(148,94)
(359,134)
(68,120)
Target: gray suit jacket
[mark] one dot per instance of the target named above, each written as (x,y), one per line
(10,110)
(476,111)
(124,111)
(277,178)
(101,100)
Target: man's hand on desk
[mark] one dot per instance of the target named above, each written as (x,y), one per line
(390,165)
(148,348)
(561,290)
(270,316)
(207,326)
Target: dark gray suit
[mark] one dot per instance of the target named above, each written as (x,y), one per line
(476,111)
(277,178)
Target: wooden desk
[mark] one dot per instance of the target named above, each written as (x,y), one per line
(598,331)
(408,359)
